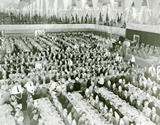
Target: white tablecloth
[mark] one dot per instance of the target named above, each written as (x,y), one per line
(48,112)
(93,115)
(132,113)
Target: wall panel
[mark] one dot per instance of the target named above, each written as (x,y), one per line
(145,37)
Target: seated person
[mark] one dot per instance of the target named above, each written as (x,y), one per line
(34,120)
(154,117)
(132,60)
(138,105)
(146,110)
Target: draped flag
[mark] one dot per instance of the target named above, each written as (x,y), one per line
(138,4)
(55,7)
(112,3)
(94,2)
(83,3)
(1,6)
(134,13)
(47,8)
(128,3)
(34,7)
(41,6)
(153,4)
(30,10)
(51,7)
(38,6)
(79,4)
(65,2)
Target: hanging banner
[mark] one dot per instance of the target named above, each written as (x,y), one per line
(38,7)
(30,8)
(55,7)
(94,3)
(138,4)
(65,2)
(41,6)
(83,3)
(1,6)
(128,3)
(153,4)
(134,13)
(112,3)
(34,7)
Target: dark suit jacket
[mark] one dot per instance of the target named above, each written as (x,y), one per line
(140,107)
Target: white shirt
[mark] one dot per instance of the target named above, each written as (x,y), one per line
(30,87)
(17,90)
(53,86)
(152,69)
(133,59)
(38,65)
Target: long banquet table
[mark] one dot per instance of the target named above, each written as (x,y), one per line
(5,115)
(93,116)
(132,113)
(48,112)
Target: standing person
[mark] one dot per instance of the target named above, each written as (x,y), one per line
(30,86)
(17,91)
(132,61)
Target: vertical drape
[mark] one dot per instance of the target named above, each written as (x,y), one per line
(47,8)
(55,7)
(112,3)
(138,4)
(94,2)
(65,2)
(153,4)
(38,7)
(128,3)
(83,3)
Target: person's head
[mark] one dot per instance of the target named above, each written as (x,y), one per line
(119,88)
(146,103)
(153,110)
(35,117)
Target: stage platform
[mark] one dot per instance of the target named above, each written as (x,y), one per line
(9,30)
(144,62)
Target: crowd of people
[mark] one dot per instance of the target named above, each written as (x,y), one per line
(56,63)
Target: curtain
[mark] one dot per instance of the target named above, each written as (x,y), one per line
(38,7)
(46,8)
